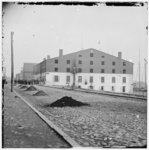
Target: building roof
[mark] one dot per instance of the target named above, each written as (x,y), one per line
(89,49)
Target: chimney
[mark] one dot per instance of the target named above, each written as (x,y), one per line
(48,56)
(60,52)
(44,59)
(120,55)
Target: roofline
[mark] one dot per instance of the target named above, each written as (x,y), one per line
(86,50)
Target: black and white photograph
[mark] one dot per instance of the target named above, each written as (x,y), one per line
(74,74)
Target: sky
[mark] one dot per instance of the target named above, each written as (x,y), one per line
(41,30)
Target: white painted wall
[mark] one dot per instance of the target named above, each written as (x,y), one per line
(62,78)
(96,81)
(107,83)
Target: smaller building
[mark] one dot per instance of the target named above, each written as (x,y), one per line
(28,71)
(19,76)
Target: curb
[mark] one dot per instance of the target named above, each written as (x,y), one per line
(66,137)
(96,92)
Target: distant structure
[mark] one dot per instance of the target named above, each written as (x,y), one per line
(88,69)
(27,72)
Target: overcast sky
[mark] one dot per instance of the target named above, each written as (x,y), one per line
(43,30)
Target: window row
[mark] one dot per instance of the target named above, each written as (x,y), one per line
(113,88)
(91,62)
(102,79)
(56,79)
(79,70)
(113,80)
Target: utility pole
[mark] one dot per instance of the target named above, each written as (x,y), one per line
(139,69)
(12,65)
(145,63)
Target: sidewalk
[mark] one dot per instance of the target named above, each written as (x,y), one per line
(23,128)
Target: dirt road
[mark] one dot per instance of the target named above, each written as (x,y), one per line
(23,128)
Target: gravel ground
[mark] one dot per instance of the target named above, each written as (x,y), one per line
(107,122)
(23,128)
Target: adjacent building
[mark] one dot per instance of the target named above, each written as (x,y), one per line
(89,69)
(27,72)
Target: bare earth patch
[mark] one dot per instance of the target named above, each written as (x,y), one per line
(106,123)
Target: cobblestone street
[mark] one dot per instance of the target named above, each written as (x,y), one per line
(23,128)
(107,122)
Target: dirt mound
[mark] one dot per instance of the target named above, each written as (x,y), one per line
(31,88)
(20,85)
(40,93)
(23,87)
(67,101)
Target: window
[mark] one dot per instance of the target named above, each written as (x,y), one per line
(80,55)
(56,61)
(79,79)
(124,89)
(91,70)
(79,70)
(80,62)
(68,69)
(102,79)
(102,63)
(91,54)
(124,71)
(112,88)
(67,79)
(91,79)
(113,70)
(91,62)
(124,79)
(113,79)
(103,56)
(102,70)
(56,69)
(124,63)
(68,61)
(102,88)
(113,63)
(56,79)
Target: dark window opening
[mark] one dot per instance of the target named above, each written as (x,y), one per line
(124,71)
(113,79)
(56,69)
(113,63)
(56,78)
(80,62)
(102,70)
(68,61)
(102,88)
(91,62)
(102,79)
(91,79)
(124,79)
(124,89)
(68,69)
(79,79)
(113,70)
(56,61)
(91,54)
(79,70)
(102,63)
(91,70)
(67,79)
(112,88)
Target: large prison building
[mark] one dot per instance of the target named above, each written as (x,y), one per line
(88,69)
